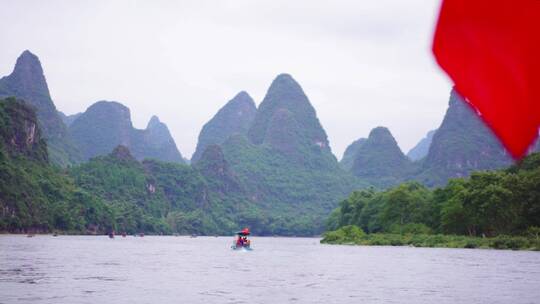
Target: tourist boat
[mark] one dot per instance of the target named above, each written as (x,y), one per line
(241,241)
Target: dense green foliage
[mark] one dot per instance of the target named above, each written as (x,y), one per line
(352,235)
(35,196)
(153,196)
(295,197)
(505,202)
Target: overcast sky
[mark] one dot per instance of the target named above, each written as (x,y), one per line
(362,63)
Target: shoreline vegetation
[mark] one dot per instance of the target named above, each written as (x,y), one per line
(491,209)
(353,235)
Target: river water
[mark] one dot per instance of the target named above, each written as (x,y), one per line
(168,269)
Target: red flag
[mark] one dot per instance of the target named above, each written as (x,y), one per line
(491,50)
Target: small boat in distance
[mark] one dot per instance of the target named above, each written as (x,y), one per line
(111,235)
(241,241)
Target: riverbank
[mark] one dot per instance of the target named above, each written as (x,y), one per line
(352,235)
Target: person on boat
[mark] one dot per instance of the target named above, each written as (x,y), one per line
(246,242)
(240,241)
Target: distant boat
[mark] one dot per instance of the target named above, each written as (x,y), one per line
(193,236)
(124,234)
(241,241)
(111,235)
(29,235)
(55,234)
(141,234)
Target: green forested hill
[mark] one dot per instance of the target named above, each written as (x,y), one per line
(295,197)
(154,196)
(113,192)
(285,163)
(347,160)
(461,145)
(35,196)
(380,161)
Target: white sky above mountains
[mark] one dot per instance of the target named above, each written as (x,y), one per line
(362,63)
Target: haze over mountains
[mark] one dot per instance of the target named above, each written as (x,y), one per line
(462,144)
(268,167)
(105,125)
(421,149)
(101,128)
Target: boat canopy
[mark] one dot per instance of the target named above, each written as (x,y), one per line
(244,232)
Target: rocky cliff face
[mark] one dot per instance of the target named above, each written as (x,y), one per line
(234,118)
(27,82)
(19,131)
(107,124)
(461,144)
(380,161)
(422,147)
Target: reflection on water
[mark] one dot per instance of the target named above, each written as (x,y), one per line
(86,269)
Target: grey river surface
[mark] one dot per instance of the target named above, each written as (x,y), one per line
(168,269)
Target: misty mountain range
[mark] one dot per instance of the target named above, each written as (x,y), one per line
(270,167)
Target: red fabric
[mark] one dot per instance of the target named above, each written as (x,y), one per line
(491,50)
